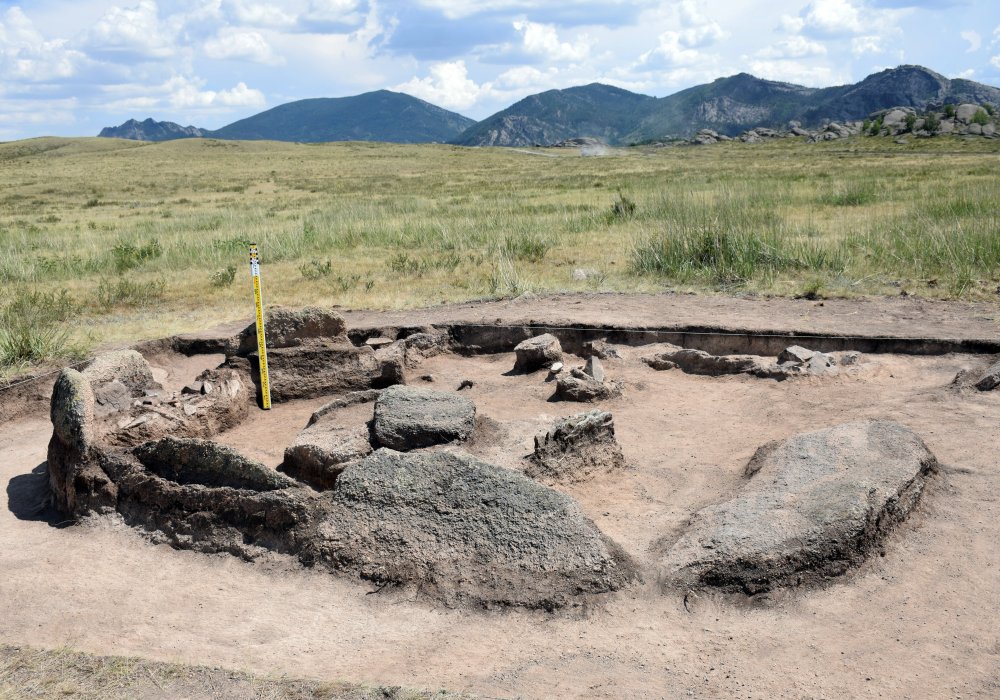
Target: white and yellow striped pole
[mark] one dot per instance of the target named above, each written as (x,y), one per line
(265,387)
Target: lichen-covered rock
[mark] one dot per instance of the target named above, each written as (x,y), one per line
(990,379)
(72,409)
(77,483)
(322,451)
(409,417)
(196,461)
(285,328)
(126,366)
(535,353)
(576,448)
(464,530)
(577,385)
(815,505)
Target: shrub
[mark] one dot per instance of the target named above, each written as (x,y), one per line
(525,246)
(911,120)
(932,122)
(33,327)
(623,208)
(223,277)
(314,269)
(876,127)
(981,117)
(949,111)
(127,256)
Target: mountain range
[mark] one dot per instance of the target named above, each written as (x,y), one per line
(613,115)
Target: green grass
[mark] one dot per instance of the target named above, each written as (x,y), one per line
(150,239)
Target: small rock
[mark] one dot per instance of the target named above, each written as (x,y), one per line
(850,358)
(150,393)
(990,379)
(556,367)
(427,377)
(466,384)
(535,353)
(594,368)
(189,409)
(795,354)
(193,388)
(577,447)
(206,387)
(580,273)
(580,386)
(602,349)
(380,342)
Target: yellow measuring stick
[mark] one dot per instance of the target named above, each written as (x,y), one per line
(265,386)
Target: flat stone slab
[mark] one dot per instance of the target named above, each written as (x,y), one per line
(409,417)
(815,505)
(464,530)
(990,379)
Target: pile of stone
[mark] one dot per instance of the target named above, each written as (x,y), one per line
(965,122)
(793,361)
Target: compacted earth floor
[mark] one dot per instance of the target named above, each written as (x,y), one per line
(917,621)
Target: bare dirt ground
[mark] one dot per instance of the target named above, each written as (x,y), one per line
(918,622)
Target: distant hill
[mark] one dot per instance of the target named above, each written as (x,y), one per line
(151,130)
(595,110)
(373,116)
(727,105)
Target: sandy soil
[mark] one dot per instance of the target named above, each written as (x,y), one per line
(918,622)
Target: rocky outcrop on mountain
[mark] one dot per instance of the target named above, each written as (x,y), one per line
(152,130)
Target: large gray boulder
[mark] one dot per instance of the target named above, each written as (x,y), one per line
(285,328)
(125,366)
(322,451)
(815,505)
(576,448)
(990,379)
(535,353)
(463,530)
(409,417)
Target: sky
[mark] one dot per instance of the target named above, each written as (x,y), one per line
(71,67)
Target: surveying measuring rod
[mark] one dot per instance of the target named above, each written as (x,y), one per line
(265,386)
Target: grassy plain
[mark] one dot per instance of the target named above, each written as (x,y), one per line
(105,240)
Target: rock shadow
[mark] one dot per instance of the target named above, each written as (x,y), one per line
(29,498)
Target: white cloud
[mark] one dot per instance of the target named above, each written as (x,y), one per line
(792,71)
(183,92)
(259,14)
(995,61)
(967,74)
(793,47)
(27,56)
(543,40)
(974,39)
(346,11)
(233,43)
(132,30)
(682,46)
(862,45)
(448,85)
(523,77)
(833,17)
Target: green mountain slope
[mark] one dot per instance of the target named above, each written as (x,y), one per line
(373,116)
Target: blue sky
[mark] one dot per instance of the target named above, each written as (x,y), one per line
(72,67)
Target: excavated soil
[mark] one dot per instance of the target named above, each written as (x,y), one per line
(917,620)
